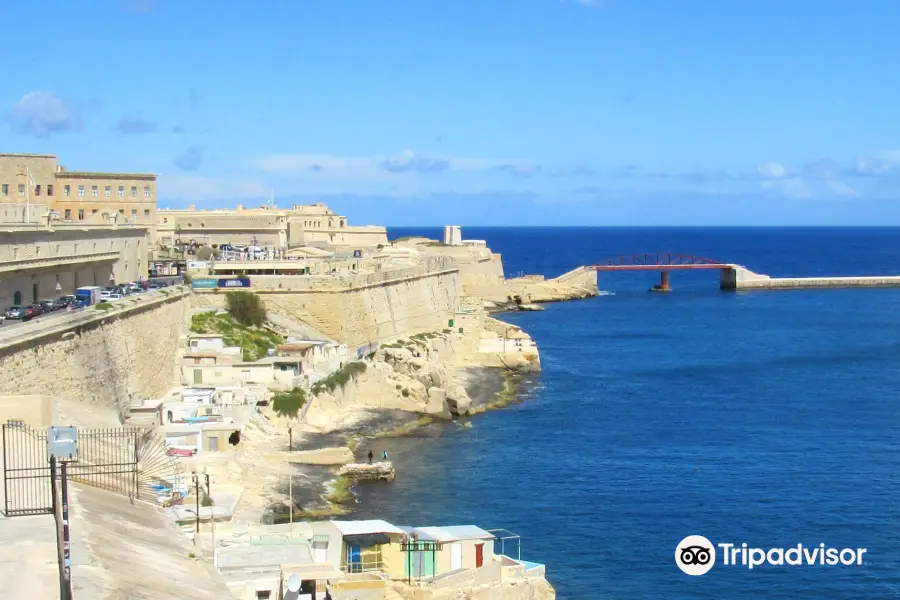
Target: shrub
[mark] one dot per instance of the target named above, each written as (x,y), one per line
(339,378)
(288,404)
(187,278)
(205,253)
(246,308)
(103,306)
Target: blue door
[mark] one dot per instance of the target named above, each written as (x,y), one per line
(354,559)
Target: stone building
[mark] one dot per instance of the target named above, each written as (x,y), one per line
(269,226)
(75,195)
(42,256)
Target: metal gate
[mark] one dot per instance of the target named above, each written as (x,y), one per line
(129,461)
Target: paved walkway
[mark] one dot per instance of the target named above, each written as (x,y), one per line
(28,565)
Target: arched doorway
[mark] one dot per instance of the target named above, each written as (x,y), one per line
(17,298)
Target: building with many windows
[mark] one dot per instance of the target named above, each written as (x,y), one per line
(267,226)
(75,195)
(43,257)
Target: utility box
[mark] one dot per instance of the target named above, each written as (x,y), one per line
(62,443)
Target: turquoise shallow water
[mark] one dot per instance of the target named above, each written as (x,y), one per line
(769,418)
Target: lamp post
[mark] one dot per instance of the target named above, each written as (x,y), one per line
(197,494)
(290,438)
(212,519)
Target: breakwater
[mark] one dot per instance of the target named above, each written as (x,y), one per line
(738,278)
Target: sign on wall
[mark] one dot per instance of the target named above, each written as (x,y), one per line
(239,282)
(203,283)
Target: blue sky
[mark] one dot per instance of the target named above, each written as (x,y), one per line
(477,112)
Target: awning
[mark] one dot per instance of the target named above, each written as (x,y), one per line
(366,540)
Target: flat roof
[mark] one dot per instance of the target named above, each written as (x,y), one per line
(252,555)
(92,175)
(365,527)
(452,533)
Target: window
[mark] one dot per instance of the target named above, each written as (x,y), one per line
(80,214)
(146,191)
(146,213)
(49,189)
(68,214)
(121,191)
(37,190)
(107,191)
(21,189)
(5,189)
(134,191)
(263,594)
(81,191)
(95,191)
(66,189)
(134,214)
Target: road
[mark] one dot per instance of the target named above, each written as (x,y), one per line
(12,330)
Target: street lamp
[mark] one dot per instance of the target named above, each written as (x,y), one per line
(196,479)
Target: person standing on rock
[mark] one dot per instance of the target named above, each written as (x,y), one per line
(370,457)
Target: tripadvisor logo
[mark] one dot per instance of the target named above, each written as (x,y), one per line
(696,555)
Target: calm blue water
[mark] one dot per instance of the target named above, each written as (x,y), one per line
(770,418)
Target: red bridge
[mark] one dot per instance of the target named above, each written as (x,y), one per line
(660,262)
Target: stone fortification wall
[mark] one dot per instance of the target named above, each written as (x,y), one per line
(98,358)
(356,310)
(480,270)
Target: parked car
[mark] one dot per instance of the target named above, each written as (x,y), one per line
(47,305)
(66,301)
(15,312)
(107,295)
(33,310)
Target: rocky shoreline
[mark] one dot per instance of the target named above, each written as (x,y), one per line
(319,492)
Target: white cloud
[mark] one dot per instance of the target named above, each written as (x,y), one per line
(879,163)
(42,113)
(839,188)
(772,170)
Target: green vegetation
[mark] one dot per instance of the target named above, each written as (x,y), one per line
(205,500)
(163,292)
(406,428)
(353,443)
(339,378)
(340,491)
(103,306)
(504,397)
(246,308)
(253,341)
(205,253)
(187,278)
(288,404)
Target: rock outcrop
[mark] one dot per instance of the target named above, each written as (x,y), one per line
(380,471)
(576,284)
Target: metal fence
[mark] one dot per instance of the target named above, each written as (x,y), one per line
(125,460)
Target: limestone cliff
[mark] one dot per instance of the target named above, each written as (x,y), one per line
(415,375)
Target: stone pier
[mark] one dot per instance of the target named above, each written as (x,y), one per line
(737,278)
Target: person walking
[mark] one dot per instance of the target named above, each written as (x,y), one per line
(384,455)
(370,457)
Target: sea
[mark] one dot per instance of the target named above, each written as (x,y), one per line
(765,418)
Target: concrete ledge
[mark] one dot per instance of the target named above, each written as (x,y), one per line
(796,283)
